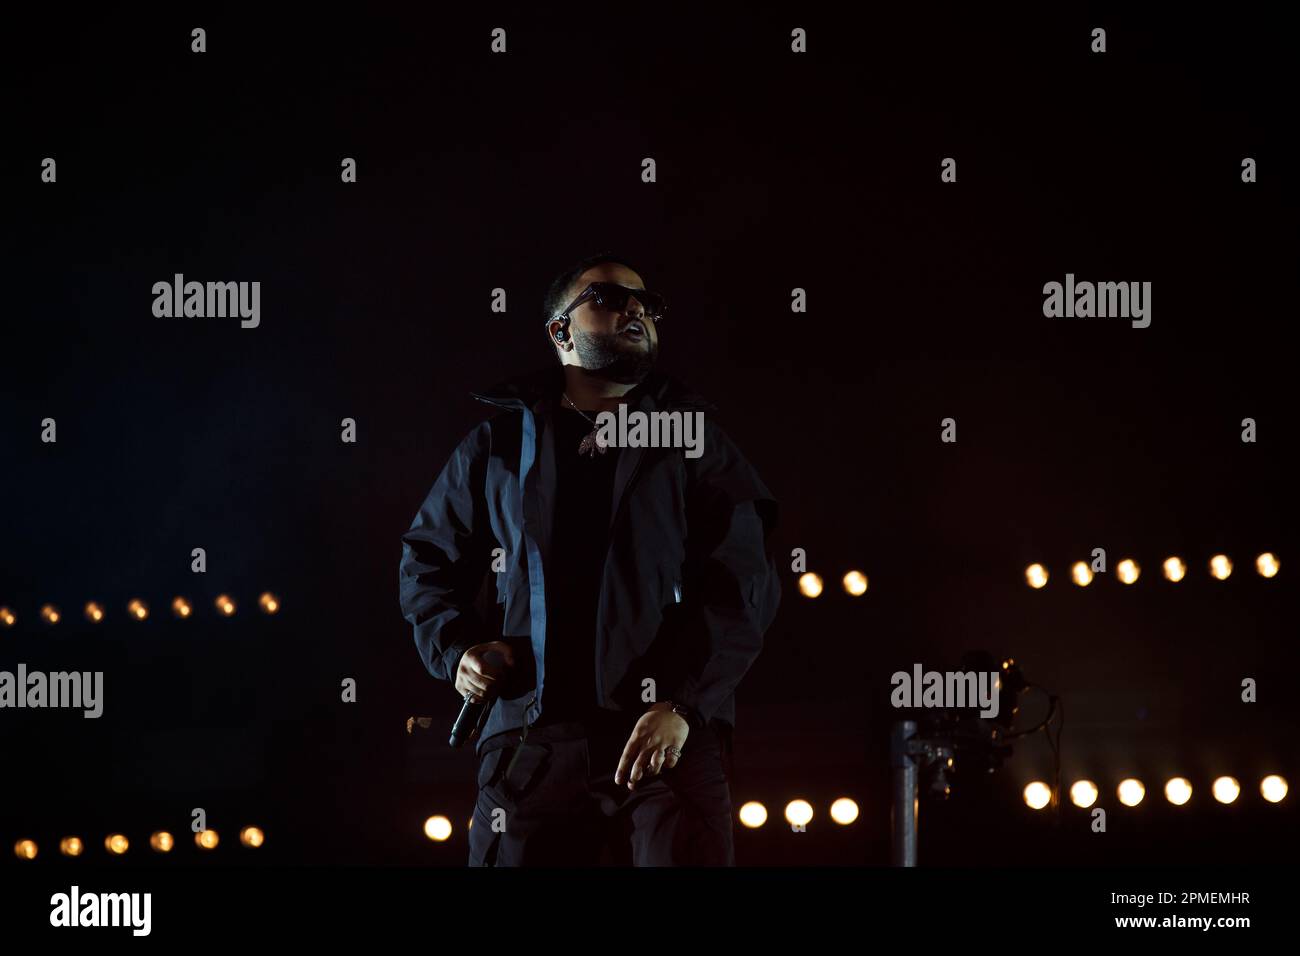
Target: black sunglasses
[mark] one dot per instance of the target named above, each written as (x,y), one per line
(611,295)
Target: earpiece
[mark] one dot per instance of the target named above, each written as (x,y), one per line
(561,335)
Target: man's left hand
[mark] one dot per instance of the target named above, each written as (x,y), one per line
(645,755)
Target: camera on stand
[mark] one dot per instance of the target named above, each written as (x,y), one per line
(958,727)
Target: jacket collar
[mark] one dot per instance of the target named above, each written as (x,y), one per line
(535,393)
(525,391)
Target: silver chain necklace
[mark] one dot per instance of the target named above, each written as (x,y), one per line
(591,443)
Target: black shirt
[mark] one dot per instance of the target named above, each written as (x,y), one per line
(579,543)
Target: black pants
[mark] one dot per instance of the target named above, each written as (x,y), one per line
(552,801)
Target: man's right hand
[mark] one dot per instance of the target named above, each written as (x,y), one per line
(482,668)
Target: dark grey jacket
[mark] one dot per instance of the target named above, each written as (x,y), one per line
(689,586)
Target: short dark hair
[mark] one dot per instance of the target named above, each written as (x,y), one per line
(560,292)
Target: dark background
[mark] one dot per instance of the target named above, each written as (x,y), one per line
(775,171)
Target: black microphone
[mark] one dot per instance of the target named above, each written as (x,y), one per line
(470,720)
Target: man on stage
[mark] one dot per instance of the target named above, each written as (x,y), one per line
(633,588)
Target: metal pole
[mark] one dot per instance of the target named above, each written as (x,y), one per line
(902,814)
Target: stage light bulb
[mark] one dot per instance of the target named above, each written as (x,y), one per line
(753,814)
(1220,566)
(1037,795)
(181,608)
(138,609)
(206,839)
(162,841)
(1127,571)
(437,828)
(25,849)
(1131,792)
(855,582)
(1178,790)
(94,613)
(50,614)
(1083,793)
(225,606)
(252,837)
(1081,573)
(269,603)
(1267,565)
(1036,575)
(810,585)
(1175,569)
(844,811)
(71,846)
(7,617)
(116,844)
(1273,788)
(1226,789)
(798,812)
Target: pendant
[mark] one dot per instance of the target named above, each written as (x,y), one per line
(593,444)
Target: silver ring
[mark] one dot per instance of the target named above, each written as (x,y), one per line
(673,750)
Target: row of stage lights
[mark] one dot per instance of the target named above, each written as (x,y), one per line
(752,814)
(853,582)
(1178,791)
(1128,570)
(138,610)
(1083,794)
(161,842)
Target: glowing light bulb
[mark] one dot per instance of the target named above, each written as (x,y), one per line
(1178,790)
(844,811)
(855,583)
(1037,795)
(1226,789)
(1273,788)
(1083,793)
(1127,571)
(1130,792)
(753,814)
(437,828)
(798,813)
(116,844)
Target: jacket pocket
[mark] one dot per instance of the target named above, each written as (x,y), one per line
(488,765)
(527,765)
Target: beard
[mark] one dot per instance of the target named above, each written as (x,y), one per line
(613,358)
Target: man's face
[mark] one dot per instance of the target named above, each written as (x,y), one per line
(618,346)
